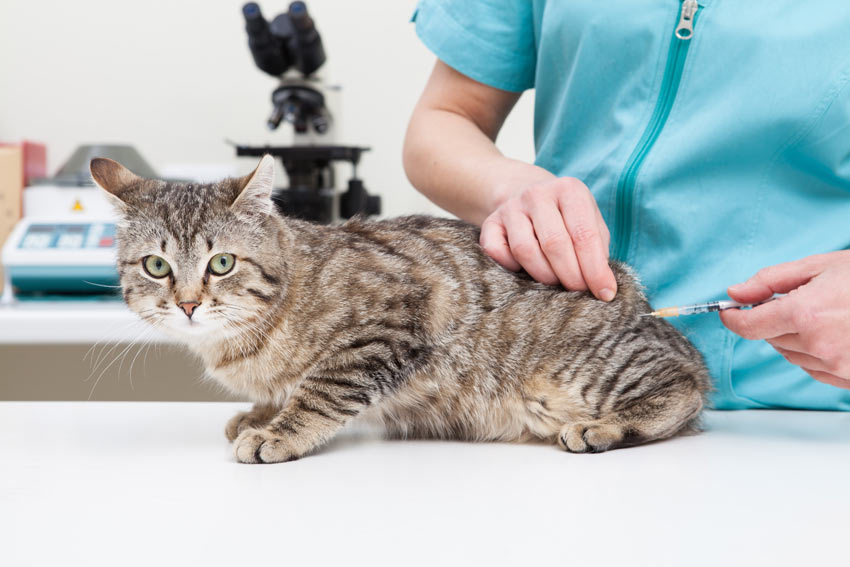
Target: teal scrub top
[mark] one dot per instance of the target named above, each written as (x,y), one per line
(710,158)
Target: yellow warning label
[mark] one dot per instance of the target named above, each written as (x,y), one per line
(78,206)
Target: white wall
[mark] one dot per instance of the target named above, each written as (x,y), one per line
(175,78)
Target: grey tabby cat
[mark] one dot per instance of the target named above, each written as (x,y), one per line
(404,322)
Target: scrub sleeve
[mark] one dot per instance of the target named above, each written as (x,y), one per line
(490,41)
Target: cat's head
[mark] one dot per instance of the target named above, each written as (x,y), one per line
(197,260)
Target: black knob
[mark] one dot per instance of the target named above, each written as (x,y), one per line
(373,205)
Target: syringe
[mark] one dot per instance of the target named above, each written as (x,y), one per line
(709,307)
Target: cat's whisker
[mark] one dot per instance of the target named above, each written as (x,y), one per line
(235,324)
(103,372)
(103,355)
(145,346)
(246,327)
(105,342)
(155,345)
(234,306)
(141,338)
(145,358)
(102,285)
(142,311)
(108,366)
(105,337)
(251,328)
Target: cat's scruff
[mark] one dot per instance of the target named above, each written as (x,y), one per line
(405,322)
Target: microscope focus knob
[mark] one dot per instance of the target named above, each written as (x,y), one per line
(357,201)
(373,205)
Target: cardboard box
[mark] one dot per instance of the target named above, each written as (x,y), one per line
(35,159)
(11,190)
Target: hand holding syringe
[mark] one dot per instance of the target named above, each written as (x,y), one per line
(709,307)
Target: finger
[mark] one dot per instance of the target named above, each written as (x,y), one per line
(828,378)
(525,248)
(803,360)
(790,341)
(589,247)
(556,245)
(780,278)
(494,241)
(763,322)
(606,234)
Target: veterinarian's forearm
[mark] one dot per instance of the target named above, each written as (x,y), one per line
(450,154)
(459,168)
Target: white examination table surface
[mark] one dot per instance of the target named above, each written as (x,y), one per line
(155,484)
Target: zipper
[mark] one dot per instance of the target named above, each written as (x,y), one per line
(676,56)
(685,29)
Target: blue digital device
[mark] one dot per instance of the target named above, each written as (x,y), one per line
(45,256)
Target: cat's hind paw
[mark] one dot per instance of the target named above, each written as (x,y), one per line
(262,446)
(591,437)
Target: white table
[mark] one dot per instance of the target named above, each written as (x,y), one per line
(155,484)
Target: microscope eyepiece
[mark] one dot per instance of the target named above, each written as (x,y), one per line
(251,10)
(266,49)
(290,40)
(310,51)
(300,18)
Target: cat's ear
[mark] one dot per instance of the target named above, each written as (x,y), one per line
(256,194)
(113,178)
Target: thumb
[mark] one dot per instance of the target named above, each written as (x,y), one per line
(780,278)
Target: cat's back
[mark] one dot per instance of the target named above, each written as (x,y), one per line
(451,247)
(434,246)
(446,253)
(417,236)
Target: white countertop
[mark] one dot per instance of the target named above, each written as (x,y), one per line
(155,484)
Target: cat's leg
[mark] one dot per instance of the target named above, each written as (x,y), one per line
(316,411)
(257,417)
(659,412)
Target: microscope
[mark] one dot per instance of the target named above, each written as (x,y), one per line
(290,47)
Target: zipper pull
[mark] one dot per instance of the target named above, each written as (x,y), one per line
(685,29)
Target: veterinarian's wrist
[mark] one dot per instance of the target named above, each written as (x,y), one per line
(511,177)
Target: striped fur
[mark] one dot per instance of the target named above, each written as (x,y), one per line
(402,322)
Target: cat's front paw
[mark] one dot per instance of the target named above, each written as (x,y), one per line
(239,423)
(262,446)
(236,425)
(257,418)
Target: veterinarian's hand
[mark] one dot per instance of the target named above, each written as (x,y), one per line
(553,230)
(810,326)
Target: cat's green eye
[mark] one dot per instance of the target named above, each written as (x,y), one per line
(156,267)
(222,263)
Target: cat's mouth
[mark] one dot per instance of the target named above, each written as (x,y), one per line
(200,325)
(190,326)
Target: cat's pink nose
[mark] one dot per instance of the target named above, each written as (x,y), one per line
(188,307)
